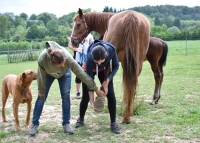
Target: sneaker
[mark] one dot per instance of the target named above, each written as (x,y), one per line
(78,95)
(115,128)
(33,130)
(79,122)
(68,129)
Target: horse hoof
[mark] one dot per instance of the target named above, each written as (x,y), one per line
(127,121)
(152,102)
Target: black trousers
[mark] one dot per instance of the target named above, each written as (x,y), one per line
(77,80)
(110,97)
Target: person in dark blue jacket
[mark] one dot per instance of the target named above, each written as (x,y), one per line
(101,55)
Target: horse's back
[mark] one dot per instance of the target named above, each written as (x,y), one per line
(134,23)
(118,19)
(155,49)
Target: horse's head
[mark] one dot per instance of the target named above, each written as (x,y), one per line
(80,29)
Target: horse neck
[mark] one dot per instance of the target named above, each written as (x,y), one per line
(97,21)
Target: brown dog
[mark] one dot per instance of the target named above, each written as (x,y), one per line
(19,87)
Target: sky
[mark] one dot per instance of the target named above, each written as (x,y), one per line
(62,7)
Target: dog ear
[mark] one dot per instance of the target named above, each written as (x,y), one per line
(22,76)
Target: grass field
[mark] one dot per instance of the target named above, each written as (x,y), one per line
(176,118)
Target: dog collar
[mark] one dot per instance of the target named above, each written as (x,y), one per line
(22,90)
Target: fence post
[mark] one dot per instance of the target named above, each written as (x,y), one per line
(186,45)
(8,53)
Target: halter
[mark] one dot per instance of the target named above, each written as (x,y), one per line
(85,32)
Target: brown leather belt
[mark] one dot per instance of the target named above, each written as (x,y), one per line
(99,70)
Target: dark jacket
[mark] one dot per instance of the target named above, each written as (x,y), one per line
(112,56)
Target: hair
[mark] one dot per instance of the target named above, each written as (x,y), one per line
(56,57)
(99,53)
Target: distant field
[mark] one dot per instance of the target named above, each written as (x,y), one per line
(176,118)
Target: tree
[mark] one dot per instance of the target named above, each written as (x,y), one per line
(65,31)
(19,34)
(52,27)
(157,21)
(20,21)
(32,32)
(33,17)
(24,16)
(10,15)
(155,30)
(115,10)
(34,22)
(106,9)
(11,18)
(3,26)
(42,31)
(173,30)
(67,19)
(111,9)
(45,17)
(168,21)
(177,22)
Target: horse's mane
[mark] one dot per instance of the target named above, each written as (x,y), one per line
(97,19)
(98,16)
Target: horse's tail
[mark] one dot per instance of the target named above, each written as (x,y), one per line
(163,58)
(130,41)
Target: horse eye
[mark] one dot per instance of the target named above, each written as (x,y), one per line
(31,72)
(78,25)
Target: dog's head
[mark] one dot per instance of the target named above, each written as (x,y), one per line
(28,76)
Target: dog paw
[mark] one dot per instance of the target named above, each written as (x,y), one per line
(5,120)
(27,127)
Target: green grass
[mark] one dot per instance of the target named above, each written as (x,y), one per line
(176,118)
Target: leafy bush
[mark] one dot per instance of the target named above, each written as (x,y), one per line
(10,46)
(24,45)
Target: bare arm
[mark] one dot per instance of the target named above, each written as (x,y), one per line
(91,96)
(71,47)
(79,50)
(91,39)
(105,85)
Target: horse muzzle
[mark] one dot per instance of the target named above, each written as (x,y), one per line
(75,42)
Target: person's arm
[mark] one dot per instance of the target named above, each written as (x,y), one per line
(79,50)
(115,67)
(41,78)
(71,47)
(91,39)
(83,76)
(91,97)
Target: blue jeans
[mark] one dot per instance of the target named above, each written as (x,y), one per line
(65,87)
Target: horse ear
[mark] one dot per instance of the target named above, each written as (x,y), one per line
(80,13)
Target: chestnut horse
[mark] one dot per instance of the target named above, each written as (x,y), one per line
(156,54)
(129,32)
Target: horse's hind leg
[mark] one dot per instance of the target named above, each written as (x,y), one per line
(157,77)
(161,80)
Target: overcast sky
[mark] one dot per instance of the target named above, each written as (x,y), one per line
(62,7)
